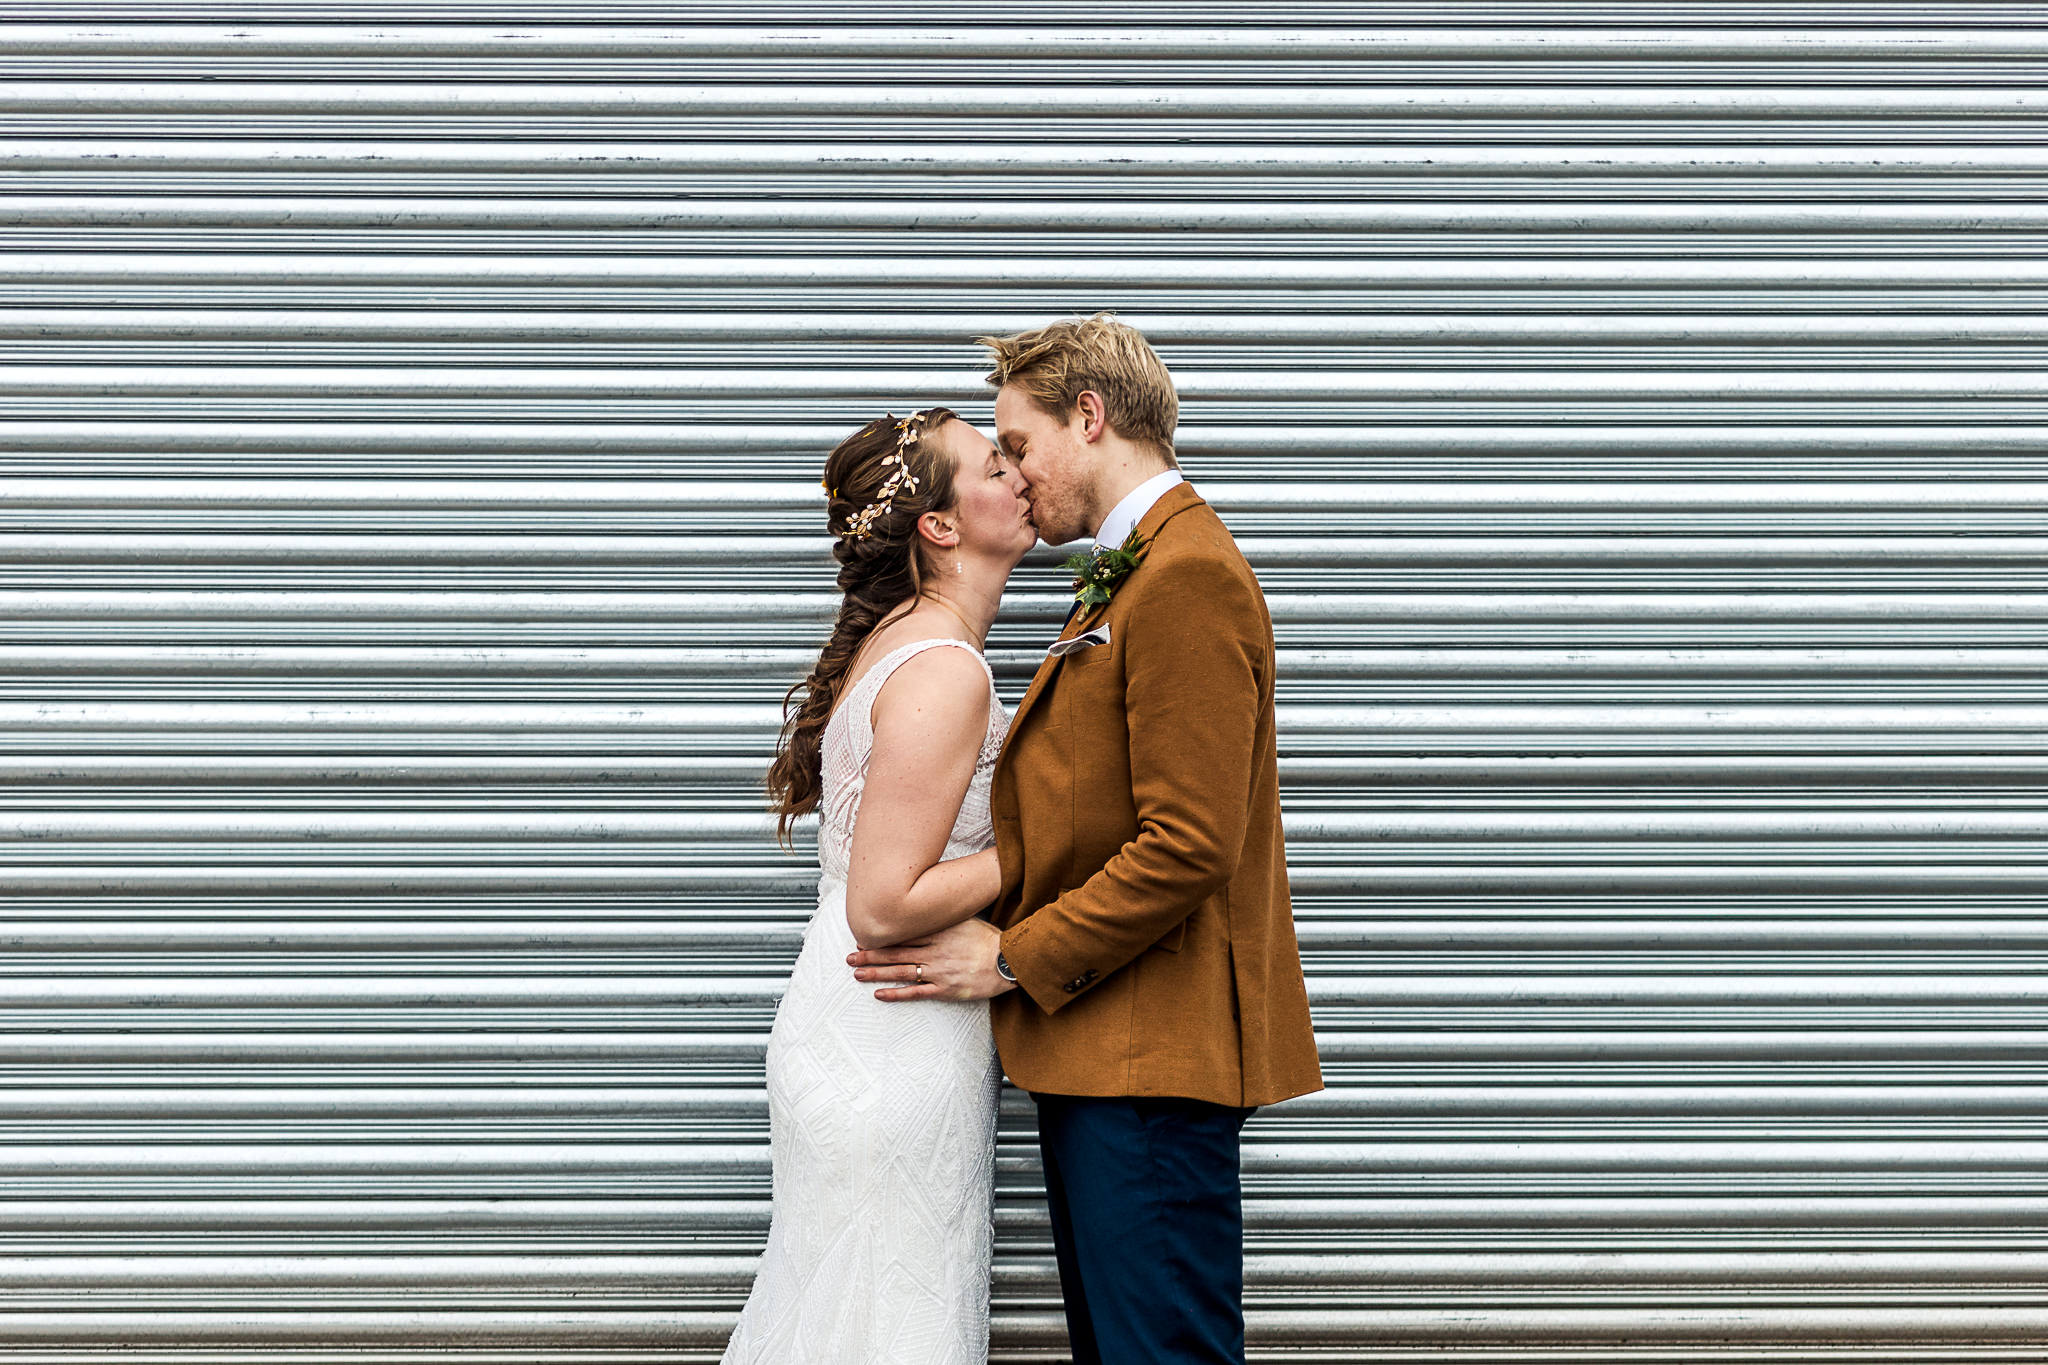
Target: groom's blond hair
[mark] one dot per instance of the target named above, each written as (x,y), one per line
(1054,365)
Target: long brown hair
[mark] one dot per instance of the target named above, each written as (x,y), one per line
(878,571)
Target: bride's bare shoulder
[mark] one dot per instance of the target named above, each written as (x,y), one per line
(939,688)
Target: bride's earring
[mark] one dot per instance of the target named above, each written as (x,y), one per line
(956,565)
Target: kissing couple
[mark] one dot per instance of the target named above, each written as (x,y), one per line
(1090,895)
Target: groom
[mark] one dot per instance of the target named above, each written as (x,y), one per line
(1147,985)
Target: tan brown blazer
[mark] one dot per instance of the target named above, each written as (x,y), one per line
(1144,906)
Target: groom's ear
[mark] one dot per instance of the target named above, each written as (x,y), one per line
(1094,414)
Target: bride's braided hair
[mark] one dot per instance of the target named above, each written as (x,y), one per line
(880,480)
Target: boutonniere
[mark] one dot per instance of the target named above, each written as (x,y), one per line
(1096,575)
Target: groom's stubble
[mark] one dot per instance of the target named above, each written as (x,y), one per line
(1061,473)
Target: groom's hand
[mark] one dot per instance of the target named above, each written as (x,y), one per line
(959,964)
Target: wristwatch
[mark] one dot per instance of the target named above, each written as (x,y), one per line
(1003,969)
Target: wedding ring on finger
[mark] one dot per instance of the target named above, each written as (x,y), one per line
(919,979)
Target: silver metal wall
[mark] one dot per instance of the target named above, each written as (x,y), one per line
(409,425)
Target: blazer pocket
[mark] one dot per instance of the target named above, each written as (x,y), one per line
(1080,644)
(1174,938)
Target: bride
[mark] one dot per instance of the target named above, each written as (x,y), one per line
(882,1117)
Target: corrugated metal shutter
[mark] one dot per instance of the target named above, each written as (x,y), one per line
(410,422)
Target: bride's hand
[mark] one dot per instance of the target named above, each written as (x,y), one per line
(959,964)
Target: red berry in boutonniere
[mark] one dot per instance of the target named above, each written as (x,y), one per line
(1097,575)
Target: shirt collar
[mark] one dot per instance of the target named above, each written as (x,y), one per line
(1125,516)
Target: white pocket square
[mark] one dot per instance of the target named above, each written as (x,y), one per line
(1086,640)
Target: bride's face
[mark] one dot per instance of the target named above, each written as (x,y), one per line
(990,512)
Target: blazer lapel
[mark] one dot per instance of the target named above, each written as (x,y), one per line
(1047,666)
(1172,503)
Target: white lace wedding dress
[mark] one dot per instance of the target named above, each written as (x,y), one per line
(882,1121)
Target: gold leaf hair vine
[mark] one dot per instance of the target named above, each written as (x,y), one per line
(861,525)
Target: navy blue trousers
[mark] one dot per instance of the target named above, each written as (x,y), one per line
(1148,1227)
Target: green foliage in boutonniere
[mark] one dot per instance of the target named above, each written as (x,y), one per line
(1096,575)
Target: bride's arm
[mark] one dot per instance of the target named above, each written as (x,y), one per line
(947,893)
(929,721)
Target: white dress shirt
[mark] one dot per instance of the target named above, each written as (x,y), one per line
(1125,516)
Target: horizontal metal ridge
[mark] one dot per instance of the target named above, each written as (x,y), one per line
(1240,43)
